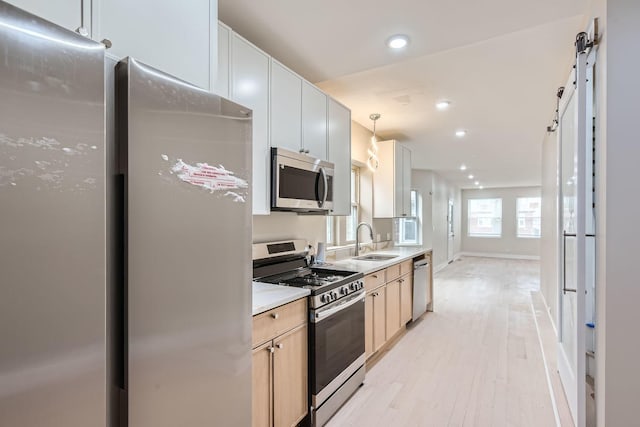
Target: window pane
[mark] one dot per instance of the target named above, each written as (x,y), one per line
(485,217)
(352,223)
(407,230)
(354,186)
(414,203)
(528,214)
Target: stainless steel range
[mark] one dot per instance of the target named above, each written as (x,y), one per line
(336,316)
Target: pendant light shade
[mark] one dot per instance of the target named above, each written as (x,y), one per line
(373,161)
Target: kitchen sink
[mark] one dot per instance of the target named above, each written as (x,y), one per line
(375,257)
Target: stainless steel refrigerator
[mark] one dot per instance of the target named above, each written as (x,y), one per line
(53,350)
(185,156)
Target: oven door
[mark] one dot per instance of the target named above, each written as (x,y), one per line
(300,182)
(337,345)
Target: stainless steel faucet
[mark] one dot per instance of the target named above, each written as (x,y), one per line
(358,236)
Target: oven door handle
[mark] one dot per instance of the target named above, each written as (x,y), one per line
(323,314)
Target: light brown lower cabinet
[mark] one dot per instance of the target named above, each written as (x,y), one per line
(290,380)
(280,374)
(375,320)
(262,382)
(406,298)
(388,304)
(393,308)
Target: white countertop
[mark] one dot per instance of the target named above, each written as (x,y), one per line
(267,296)
(402,253)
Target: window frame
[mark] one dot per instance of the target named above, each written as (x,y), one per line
(415,218)
(336,232)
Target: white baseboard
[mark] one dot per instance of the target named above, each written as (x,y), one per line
(440,267)
(548,309)
(498,255)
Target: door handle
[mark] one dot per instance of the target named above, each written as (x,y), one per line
(564,264)
(326,189)
(280,345)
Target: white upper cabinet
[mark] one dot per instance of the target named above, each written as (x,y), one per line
(178,38)
(286,108)
(392,181)
(250,87)
(339,145)
(221,83)
(314,121)
(66,13)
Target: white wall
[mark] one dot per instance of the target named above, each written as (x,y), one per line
(508,244)
(549,249)
(436,192)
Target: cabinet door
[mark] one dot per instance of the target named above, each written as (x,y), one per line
(290,366)
(286,108)
(339,146)
(406,298)
(221,83)
(66,13)
(393,308)
(379,318)
(314,121)
(384,181)
(405,182)
(250,87)
(262,398)
(174,37)
(368,324)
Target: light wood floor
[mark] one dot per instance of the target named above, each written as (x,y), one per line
(475,361)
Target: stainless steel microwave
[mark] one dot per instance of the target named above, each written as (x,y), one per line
(300,183)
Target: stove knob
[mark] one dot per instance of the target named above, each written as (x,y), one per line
(344,290)
(334,295)
(323,298)
(353,286)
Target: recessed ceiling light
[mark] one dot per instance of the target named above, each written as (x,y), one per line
(470,176)
(398,41)
(463,167)
(461,133)
(443,105)
(482,187)
(477,183)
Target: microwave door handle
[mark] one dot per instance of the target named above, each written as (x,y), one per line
(326,188)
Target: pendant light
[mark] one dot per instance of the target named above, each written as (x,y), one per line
(372,161)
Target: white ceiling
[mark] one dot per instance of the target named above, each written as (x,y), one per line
(498,61)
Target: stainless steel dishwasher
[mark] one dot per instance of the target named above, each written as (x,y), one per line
(421,294)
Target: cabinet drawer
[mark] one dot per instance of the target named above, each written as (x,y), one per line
(393,272)
(406,267)
(274,322)
(374,280)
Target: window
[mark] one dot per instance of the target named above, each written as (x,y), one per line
(408,229)
(330,231)
(342,229)
(528,211)
(353,219)
(485,217)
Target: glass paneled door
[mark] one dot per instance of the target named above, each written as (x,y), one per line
(576,293)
